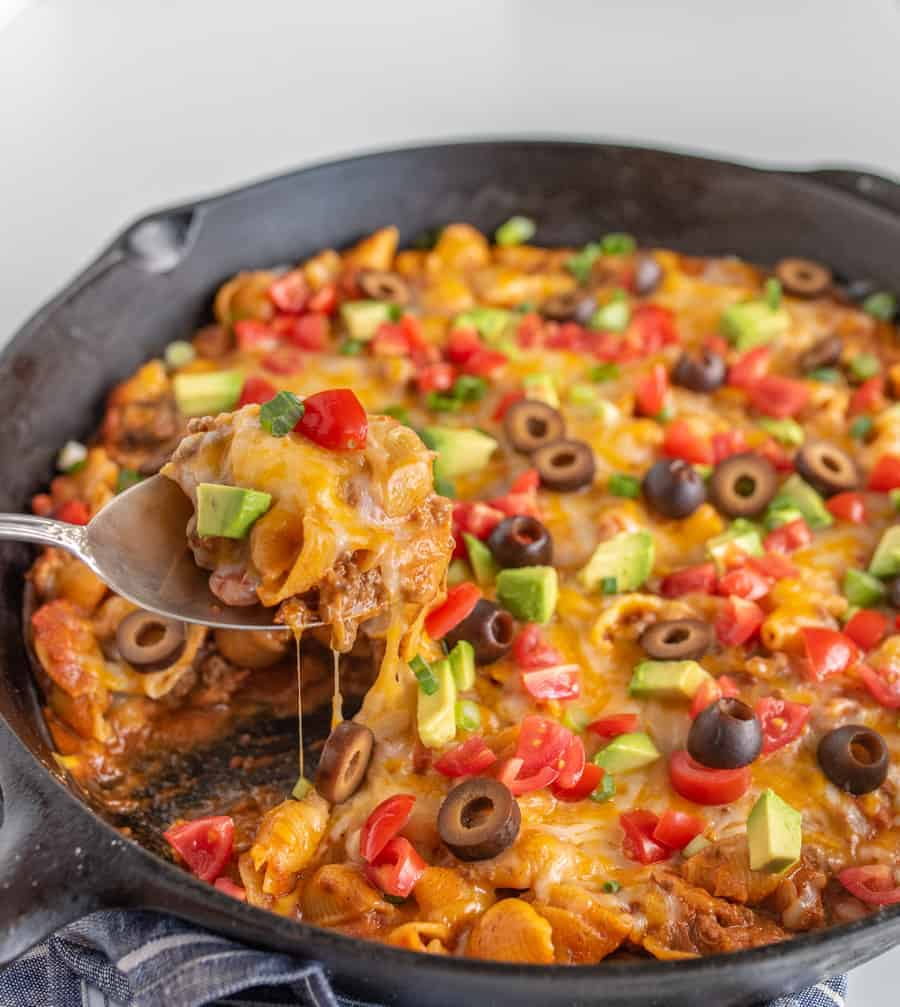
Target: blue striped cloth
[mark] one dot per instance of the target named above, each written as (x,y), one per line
(142,959)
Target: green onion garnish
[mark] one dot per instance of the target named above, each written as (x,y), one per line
(613,316)
(861,427)
(611,886)
(526,307)
(469,388)
(179,353)
(881,305)
(894,497)
(609,585)
(621,485)
(439,403)
(301,788)
(606,788)
(516,231)
(665,414)
(400,413)
(468,715)
(395,312)
(787,431)
(773,293)
(827,375)
(126,479)
(864,366)
(580,264)
(444,487)
(604,372)
(617,243)
(72,458)
(280,415)
(428,683)
(351,347)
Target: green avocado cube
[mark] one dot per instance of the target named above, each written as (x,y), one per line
(886,559)
(798,494)
(490,323)
(529,592)
(207,393)
(774,834)
(460,450)
(627,558)
(541,387)
(697,845)
(740,534)
(484,566)
(228,511)
(775,518)
(362,319)
(787,431)
(862,589)
(626,752)
(457,572)
(667,679)
(462,664)
(436,713)
(753,323)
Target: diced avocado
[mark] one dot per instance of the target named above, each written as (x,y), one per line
(775,518)
(542,387)
(787,432)
(886,559)
(460,450)
(436,713)
(627,752)
(774,834)
(800,495)
(667,679)
(697,845)
(462,664)
(613,316)
(894,496)
(206,394)
(740,534)
(490,323)
(529,592)
(228,511)
(626,558)
(753,323)
(862,589)
(362,318)
(481,559)
(457,572)
(589,398)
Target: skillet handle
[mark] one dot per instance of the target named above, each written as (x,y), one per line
(883,192)
(55,865)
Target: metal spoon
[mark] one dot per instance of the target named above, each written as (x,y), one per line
(137,545)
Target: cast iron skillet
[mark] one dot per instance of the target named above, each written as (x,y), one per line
(58,858)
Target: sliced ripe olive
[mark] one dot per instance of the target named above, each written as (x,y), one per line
(521,541)
(647,275)
(826,468)
(344,761)
(855,758)
(894,592)
(149,641)
(573,306)
(490,630)
(479,819)
(530,424)
(742,485)
(726,735)
(565,465)
(803,277)
(677,639)
(674,488)
(703,373)
(824,353)
(383,286)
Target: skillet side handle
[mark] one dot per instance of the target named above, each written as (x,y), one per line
(55,867)
(882,192)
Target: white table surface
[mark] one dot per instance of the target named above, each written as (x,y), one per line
(111,107)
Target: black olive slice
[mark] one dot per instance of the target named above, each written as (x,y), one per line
(703,373)
(803,277)
(521,541)
(677,639)
(855,758)
(479,819)
(726,735)
(489,628)
(824,353)
(530,424)
(383,286)
(826,468)
(574,306)
(742,485)
(565,465)
(648,274)
(674,488)
(149,641)
(344,761)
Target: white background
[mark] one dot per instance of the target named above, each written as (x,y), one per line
(111,107)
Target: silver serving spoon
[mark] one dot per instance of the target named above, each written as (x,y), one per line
(137,545)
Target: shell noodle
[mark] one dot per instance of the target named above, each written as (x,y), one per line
(287,840)
(512,931)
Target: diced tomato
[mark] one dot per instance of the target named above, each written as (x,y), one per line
(389,341)
(516,503)
(867,628)
(590,779)
(676,829)
(738,621)
(505,402)
(542,742)
(568,336)
(773,565)
(728,443)
(531,651)
(283,360)
(717,345)
(874,884)
(776,454)
(335,420)
(788,537)
(383,824)
(572,763)
(257,390)
(681,441)
(691,580)
(227,886)
(436,378)
(468,759)
(204,844)
(639,843)
(707,786)
(745,583)
(612,727)
(828,652)
(456,606)
(397,869)
(483,363)
(254,335)
(776,396)
(290,292)
(654,327)
(309,332)
(868,398)
(850,507)
(324,300)
(42,504)
(883,685)
(750,367)
(781,720)
(527,482)
(563,681)
(650,391)
(73,512)
(529,331)
(886,474)
(608,347)
(711,690)
(476,518)
(509,774)
(461,344)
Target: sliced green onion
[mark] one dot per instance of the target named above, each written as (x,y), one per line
(516,231)
(580,264)
(622,485)
(864,366)
(439,403)
(428,683)
(704,470)
(613,316)
(787,431)
(827,375)
(609,585)
(773,293)
(444,487)
(468,715)
(400,413)
(617,243)
(611,886)
(469,388)
(179,353)
(665,414)
(861,427)
(126,479)
(881,305)
(72,457)
(351,347)
(280,415)
(301,788)
(604,372)
(606,788)
(526,307)
(395,312)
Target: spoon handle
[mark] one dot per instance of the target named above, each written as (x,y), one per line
(43,531)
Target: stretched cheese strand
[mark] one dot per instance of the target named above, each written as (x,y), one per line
(337,700)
